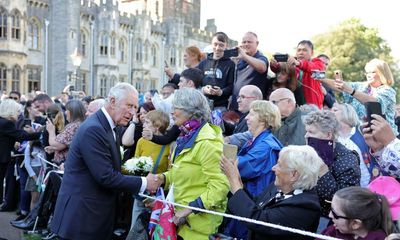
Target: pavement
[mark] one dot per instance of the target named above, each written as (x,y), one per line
(6,230)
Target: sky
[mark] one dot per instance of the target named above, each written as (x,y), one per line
(280,25)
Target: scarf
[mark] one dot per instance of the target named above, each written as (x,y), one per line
(188,130)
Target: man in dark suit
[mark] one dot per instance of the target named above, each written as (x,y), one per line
(86,203)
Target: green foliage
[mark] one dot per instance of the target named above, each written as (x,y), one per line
(350,45)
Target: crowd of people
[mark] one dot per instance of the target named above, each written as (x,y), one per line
(223,136)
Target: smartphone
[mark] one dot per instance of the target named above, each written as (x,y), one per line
(230,151)
(338,74)
(165,63)
(316,74)
(373,108)
(234,52)
(281,57)
(27,121)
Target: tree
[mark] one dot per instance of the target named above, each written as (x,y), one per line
(350,45)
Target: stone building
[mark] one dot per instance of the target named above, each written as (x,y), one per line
(48,44)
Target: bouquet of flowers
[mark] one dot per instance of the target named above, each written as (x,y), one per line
(140,166)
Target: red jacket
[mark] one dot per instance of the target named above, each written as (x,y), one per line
(311,87)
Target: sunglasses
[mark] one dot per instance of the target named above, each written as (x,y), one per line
(336,216)
(14,98)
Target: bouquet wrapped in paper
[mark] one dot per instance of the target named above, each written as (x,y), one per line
(140,166)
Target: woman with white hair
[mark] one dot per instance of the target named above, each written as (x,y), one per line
(290,201)
(350,136)
(195,174)
(9,134)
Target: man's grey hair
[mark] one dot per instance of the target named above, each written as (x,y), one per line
(121,90)
(193,103)
(254,91)
(325,121)
(304,160)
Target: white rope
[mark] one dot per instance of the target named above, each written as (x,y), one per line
(50,163)
(266,224)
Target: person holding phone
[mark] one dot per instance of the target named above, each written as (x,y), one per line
(377,88)
(341,168)
(252,68)
(219,71)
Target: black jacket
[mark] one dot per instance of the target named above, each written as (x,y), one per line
(300,211)
(9,134)
(219,73)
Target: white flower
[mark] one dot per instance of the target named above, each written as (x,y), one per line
(141,164)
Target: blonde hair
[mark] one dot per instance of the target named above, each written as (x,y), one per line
(9,108)
(159,119)
(305,160)
(382,69)
(268,113)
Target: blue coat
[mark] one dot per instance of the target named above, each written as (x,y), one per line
(86,203)
(256,160)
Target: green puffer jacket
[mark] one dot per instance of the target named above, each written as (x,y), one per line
(196,173)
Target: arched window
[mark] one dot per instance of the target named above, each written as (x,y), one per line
(34,78)
(180,57)
(113,81)
(139,51)
(3,23)
(112,45)
(3,77)
(103,44)
(154,55)
(16,74)
(83,43)
(172,56)
(122,50)
(16,26)
(103,86)
(33,37)
(146,52)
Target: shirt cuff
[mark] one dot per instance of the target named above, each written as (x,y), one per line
(144,185)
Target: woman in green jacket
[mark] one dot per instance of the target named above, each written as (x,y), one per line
(195,174)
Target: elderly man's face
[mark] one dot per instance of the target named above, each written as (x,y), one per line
(166,92)
(249,44)
(244,100)
(125,108)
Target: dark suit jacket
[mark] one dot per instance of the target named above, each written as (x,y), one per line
(9,134)
(300,211)
(86,203)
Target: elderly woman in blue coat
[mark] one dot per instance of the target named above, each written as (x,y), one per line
(258,156)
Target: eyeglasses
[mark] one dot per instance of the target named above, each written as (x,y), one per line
(277,101)
(336,216)
(244,97)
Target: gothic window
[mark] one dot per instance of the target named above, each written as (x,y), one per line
(112,46)
(83,43)
(154,55)
(139,51)
(103,86)
(16,26)
(172,56)
(3,23)
(33,35)
(103,44)
(3,77)
(122,50)
(16,77)
(33,79)
(146,52)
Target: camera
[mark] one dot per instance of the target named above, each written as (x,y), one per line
(281,57)
(318,74)
(234,52)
